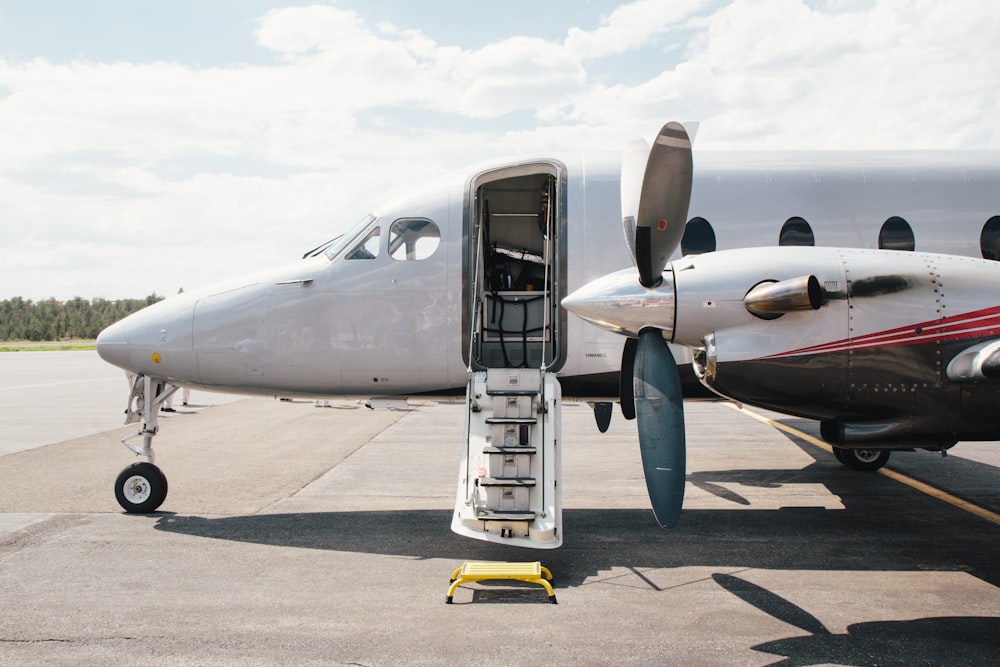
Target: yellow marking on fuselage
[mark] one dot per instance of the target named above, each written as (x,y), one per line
(917,485)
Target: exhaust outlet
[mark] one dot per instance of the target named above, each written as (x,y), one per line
(770,300)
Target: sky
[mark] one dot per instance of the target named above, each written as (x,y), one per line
(157,146)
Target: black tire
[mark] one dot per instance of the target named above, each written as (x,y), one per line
(865,459)
(141,488)
(839,453)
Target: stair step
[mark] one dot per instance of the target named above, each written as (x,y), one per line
(507,481)
(500,515)
(512,392)
(511,420)
(509,450)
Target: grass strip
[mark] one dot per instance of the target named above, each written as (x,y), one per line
(47,346)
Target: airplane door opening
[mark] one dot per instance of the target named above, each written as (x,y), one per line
(514,268)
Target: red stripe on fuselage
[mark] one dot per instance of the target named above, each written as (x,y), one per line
(985,322)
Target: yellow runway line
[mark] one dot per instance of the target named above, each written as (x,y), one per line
(917,485)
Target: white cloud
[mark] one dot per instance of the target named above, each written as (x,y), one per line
(297,30)
(516,74)
(881,74)
(629,27)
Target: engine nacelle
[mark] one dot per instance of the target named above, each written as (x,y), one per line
(863,342)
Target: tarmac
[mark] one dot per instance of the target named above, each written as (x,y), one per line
(294,534)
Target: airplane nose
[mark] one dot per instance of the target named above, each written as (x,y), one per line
(112,345)
(155,341)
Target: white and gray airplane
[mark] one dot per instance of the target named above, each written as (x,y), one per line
(857,289)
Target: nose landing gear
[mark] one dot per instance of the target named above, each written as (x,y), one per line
(142,487)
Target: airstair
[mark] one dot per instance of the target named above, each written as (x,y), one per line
(508,488)
(508,480)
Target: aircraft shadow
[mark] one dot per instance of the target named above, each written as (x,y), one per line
(596,540)
(884,526)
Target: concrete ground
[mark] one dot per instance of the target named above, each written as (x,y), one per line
(301,535)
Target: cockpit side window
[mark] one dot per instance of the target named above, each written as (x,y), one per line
(333,248)
(367,248)
(413,239)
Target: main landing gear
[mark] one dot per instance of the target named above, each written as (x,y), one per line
(862,459)
(142,487)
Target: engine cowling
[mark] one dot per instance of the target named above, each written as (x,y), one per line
(870,362)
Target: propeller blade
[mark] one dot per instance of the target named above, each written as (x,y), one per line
(626,395)
(633,166)
(660,413)
(602,414)
(663,202)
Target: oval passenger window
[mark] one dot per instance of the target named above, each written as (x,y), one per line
(796,231)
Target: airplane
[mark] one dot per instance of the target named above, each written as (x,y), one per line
(462,286)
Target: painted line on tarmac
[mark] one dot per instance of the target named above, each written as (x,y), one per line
(923,487)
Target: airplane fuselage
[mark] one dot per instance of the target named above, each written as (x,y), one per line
(383,323)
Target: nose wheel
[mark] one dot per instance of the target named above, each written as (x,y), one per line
(141,488)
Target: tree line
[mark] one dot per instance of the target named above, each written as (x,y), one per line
(50,320)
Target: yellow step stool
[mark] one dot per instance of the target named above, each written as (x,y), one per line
(531,573)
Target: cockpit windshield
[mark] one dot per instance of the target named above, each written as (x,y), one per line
(334,246)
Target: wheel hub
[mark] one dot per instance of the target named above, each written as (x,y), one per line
(137,489)
(867,455)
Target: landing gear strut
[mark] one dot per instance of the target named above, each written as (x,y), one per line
(142,487)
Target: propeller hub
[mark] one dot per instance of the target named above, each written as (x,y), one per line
(619,303)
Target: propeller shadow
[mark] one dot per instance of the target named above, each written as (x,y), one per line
(964,640)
